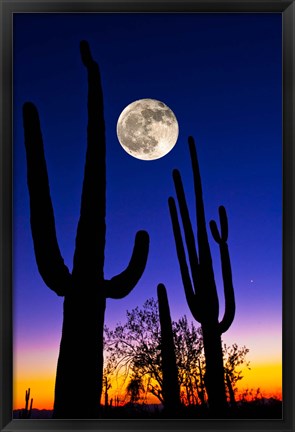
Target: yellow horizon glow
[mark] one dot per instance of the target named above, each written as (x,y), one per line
(42,392)
(266,376)
(34,369)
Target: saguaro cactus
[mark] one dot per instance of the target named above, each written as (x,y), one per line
(199,283)
(169,367)
(27,411)
(78,384)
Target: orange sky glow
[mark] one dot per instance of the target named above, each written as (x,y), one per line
(37,377)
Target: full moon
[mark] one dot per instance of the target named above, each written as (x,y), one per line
(147,129)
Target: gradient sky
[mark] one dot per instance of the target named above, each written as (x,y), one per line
(221,75)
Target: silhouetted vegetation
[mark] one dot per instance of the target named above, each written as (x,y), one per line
(134,349)
(261,408)
(199,283)
(234,357)
(134,389)
(80,363)
(134,371)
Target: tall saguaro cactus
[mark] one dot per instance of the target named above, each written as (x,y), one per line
(80,364)
(199,283)
(169,368)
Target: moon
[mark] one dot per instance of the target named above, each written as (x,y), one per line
(147,129)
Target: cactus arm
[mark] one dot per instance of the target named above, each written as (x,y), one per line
(48,257)
(230,305)
(186,280)
(90,239)
(187,226)
(209,295)
(204,249)
(121,285)
(221,239)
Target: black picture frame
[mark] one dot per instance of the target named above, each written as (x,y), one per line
(7,8)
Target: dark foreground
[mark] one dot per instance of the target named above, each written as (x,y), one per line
(259,409)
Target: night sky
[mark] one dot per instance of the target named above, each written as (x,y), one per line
(221,76)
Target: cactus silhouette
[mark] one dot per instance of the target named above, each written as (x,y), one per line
(199,283)
(169,368)
(27,412)
(80,362)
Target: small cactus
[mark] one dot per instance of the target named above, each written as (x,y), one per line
(27,411)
